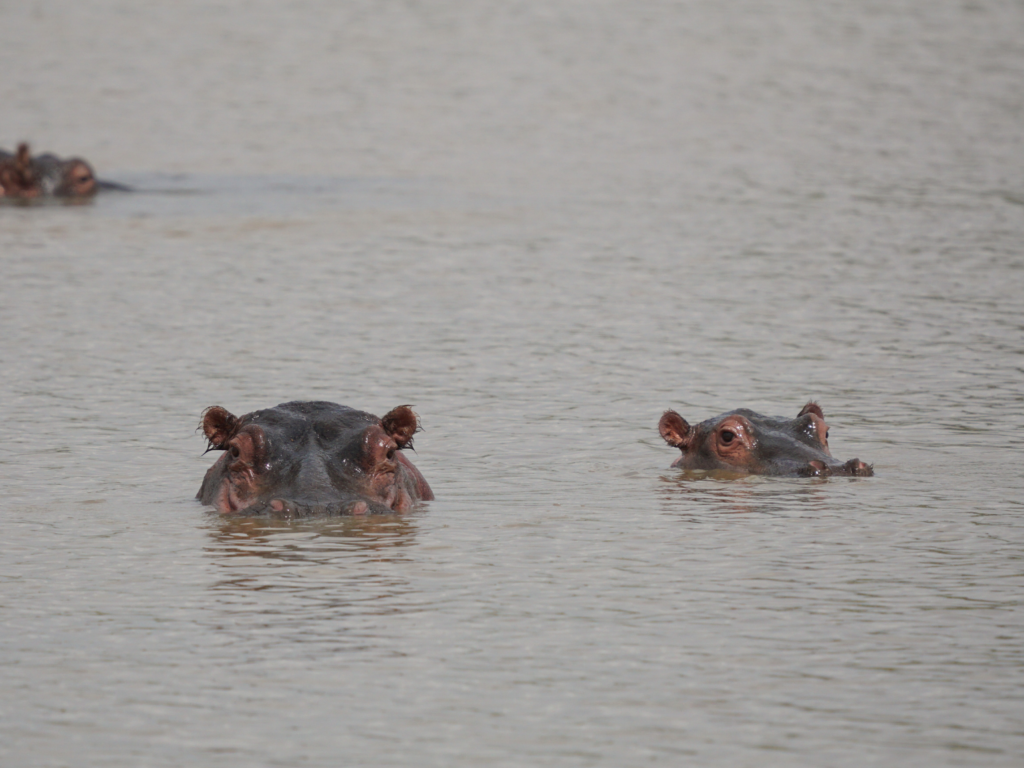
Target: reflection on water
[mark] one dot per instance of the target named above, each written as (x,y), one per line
(322,583)
(378,538)
(44,202)
(720,491)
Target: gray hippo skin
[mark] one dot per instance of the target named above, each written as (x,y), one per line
(23,177)
(747,442)
(306,459)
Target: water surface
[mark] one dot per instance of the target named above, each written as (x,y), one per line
(541,224)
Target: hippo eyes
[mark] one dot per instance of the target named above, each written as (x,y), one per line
(391,454)
(826,434)
(233,450)
(726,436)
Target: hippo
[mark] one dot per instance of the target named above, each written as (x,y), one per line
(747,442)
(23,177)
(305,459)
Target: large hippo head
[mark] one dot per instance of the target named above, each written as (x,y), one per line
(745,441)
(301,459)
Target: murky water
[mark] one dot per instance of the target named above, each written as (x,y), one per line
(542,224)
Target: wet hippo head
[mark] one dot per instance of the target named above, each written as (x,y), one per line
(25,177)
(745,441)
(301,459)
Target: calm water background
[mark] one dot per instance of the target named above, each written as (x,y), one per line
(542,224)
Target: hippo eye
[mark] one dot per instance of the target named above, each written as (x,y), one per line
(826,434)
(727,436)
(391,454)
(233,450)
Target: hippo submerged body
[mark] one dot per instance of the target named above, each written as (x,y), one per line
(311,458)
(745,441)
(23,177)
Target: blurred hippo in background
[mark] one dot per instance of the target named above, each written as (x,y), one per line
(23,177)
(306,459)
(745,441)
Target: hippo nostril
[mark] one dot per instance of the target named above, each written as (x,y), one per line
(858,468)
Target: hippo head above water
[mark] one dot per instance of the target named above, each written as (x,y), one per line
(311,458)
(25,178)
(747,442)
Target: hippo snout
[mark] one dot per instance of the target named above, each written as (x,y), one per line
(852,468)
(858,468)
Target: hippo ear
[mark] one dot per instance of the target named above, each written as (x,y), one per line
(811,407)
(401,424)
(674,429)
(23,160)
(377,448)
(218,425)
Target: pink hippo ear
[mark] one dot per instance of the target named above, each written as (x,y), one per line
(674,429)
(811,407)
(218,425)
(400,423)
